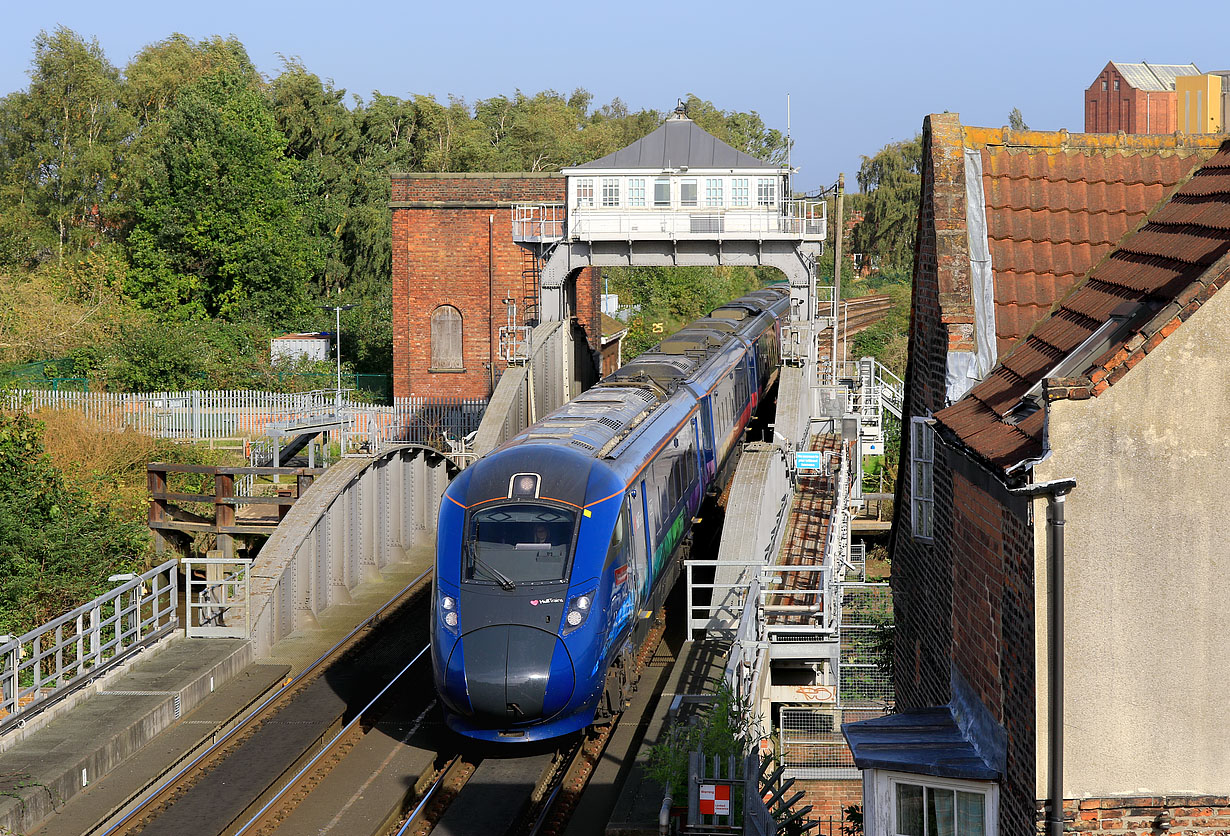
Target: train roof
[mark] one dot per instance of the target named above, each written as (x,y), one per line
(597,420)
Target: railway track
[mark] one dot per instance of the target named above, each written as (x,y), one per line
(864,311)
(381,766)
(485,792)
(298,733)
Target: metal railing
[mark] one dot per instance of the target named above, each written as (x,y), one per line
(869,388)
(789,222)
(538,222)
(41,666)
(218,597)
(866,610)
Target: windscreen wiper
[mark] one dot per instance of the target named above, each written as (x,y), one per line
(494,573)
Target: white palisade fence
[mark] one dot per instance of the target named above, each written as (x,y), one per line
(204,414)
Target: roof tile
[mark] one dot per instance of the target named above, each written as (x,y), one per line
(1052,214)
(1188,210)
(1157,264)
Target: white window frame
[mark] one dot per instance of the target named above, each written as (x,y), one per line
(740,192)
(766,192)
(585,193)
(880,799)
(922,478)
(610,192)
(657,181)
(636,191)
(714,191)
(695,184)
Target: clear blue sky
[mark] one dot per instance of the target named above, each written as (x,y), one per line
(860,73)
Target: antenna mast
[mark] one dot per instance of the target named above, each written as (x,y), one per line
(789,168)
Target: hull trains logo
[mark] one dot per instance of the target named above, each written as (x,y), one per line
(538,601)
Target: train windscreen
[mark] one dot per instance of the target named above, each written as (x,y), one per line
(521,543)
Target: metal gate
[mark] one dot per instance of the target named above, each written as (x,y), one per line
(218,597)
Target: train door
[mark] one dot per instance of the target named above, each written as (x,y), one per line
(698,460)
(709,453)
(643,553)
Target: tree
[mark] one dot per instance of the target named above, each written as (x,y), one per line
(1016,121)
(892,185)
(321,135)
(60,145)
(220,228)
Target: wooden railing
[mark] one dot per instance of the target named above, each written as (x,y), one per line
(167,514)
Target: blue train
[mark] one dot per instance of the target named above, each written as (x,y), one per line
(555,550)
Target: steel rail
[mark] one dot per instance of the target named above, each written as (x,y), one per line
(255,713)
(328,747)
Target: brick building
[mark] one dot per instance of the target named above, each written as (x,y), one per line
(1006,389)
(454,265)
(1134,98)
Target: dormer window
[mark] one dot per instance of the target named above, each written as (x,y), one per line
(610,191)
(662,193)
(687,192)
(585,192)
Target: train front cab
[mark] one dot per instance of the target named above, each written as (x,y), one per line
(522,615)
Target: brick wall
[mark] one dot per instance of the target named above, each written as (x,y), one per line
(452,244)
(828,799)
(1200,814)
(966,598)
(1128,109)
(921,660)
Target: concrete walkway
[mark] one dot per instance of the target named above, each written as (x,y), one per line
(97,758)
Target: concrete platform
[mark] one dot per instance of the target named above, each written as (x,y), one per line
(39,773)
(116,739)
(697,670)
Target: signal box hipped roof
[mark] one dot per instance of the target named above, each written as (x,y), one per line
(678,142)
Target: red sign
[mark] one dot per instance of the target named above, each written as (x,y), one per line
(715,799)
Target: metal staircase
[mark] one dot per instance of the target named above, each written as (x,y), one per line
(531,278)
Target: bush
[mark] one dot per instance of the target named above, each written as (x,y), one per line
(57,547)
(721,731)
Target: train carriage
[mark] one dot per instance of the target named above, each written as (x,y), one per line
(555,550)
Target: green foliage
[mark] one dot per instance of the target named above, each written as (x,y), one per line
(852,821)
(1016,121)
(891,182)
(219,229)
(218,194)
(674,296)
(161,357)
(56,547)
(722,731)
(61,142)
(888,339)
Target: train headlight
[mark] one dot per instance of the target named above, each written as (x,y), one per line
(447,609)
(578,610)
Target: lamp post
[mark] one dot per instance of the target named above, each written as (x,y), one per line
(337,335)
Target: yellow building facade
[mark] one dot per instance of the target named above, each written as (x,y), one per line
(1200,103)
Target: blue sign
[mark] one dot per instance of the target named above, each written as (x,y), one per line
(808,460)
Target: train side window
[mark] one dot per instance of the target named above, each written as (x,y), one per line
(617,540)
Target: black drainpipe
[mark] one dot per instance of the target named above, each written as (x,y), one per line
(1054,492)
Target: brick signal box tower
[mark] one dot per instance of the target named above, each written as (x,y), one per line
(454,265)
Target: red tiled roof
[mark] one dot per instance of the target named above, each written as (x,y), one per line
(1156,279)
(1054,211)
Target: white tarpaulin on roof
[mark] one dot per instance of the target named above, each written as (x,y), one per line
(966,368)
